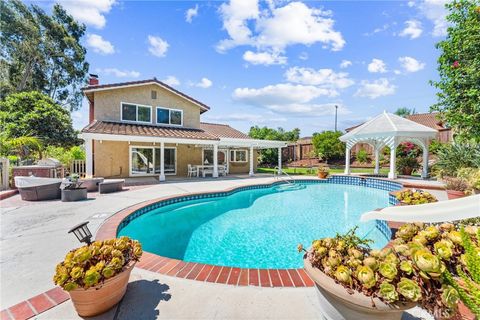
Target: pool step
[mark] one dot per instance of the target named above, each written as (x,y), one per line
(289,187)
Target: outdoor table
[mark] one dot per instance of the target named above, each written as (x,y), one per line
(202,167)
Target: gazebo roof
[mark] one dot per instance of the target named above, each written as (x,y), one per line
(387,125)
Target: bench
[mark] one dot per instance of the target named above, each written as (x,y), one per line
(112,185)
(91,183)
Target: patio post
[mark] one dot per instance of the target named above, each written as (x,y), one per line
(88,158)
(280,160)
(392,174)
(162,162)
(425,160)
(215,161)
(377,160)
(250,173)
(347,160)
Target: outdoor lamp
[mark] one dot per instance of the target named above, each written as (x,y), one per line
(82,232)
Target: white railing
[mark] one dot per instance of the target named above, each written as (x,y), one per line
(277,174)
(78,167)
(4,165)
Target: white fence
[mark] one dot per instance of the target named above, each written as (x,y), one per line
(78,167)
(4,164)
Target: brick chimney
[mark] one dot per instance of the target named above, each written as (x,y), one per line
(93,79)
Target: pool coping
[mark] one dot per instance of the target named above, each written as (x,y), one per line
(291,278)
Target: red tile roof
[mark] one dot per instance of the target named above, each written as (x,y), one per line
(142,82)
(207,131)
(431,120)
(223,131)
(117,128)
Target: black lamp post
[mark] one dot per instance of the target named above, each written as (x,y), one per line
(336,109)
(82,232)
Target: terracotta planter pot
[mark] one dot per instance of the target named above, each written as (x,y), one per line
(453,194)
(407,171)
(101,298)
(322,175)
(337,304)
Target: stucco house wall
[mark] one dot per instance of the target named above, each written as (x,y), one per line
(108,103)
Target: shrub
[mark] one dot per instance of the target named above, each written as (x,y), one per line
(453,157)
(64,155)
(471,176)
(413,197)
(408,149)
(92,264)
(456,184)
(413,270)
(327,145)
(362,156)
(407,162)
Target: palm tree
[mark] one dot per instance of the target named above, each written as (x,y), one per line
(404,112)
(23,147)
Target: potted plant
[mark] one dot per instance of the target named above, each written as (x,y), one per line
(322,172)
(407,164)
(355,282)
(96,275)
(72,189)
(414,197)
(455,187)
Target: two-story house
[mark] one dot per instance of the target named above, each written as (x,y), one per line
(147,128)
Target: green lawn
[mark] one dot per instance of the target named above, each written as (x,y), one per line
(303,171)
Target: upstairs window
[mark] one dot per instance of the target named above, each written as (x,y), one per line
(172,117)
(136,113)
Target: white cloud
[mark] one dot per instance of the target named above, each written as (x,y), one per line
(326,78)
(158,47)
(345,64)
(204,83)
(249,117)
(191,13)
(413,29)
(411,4)
(309,110)
(435,11)
(171,81)
(276,28)
(377,66)
(265,58)
(90,12)
(99,45)
(280,94)
(375,89)
(119,73)
(377,30)
(411,64)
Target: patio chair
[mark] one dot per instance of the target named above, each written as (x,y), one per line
(222,170)
(192,171)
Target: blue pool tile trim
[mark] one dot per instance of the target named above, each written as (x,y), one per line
(382,225)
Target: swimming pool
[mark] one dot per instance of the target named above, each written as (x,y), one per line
(257,227)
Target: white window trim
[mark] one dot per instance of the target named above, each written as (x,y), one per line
(235,155)
(169,117)
(136,114)
(130,174)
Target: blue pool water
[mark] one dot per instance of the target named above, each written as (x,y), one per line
(257,228)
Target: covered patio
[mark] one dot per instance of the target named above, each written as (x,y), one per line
(389,130)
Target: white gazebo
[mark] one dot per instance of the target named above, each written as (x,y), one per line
(389,130)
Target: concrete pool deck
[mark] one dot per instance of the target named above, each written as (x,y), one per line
(34,239)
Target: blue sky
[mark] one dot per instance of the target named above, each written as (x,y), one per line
(274,63)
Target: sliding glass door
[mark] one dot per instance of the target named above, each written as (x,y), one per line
(146,161)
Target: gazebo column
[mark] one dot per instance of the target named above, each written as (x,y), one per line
(393,157)
(425,160)
(280,160)
(88,158)
(349,146)
(250,173)
(377,160)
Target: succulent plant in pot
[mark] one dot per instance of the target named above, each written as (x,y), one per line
(96,275)
(355,282)
(455,187)
(72,189)
(414,197)
(323,171)
(406,164)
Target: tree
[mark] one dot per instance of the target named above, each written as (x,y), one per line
(41,53)
(270,156)
(404,112)
(327,145)
(458,67)
(34,114)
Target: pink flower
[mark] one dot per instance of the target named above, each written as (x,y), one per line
(455,64)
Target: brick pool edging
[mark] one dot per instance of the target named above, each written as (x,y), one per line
(221,274)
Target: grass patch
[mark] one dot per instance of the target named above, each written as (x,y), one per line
(305,171)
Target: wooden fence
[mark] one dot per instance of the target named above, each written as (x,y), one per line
(78,167)
(4,164)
